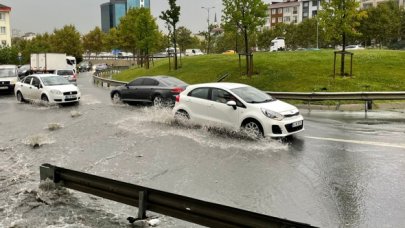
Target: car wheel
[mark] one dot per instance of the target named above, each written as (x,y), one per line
(253,128)
(20,97)
(44,98)
(116,98)
(158,101)
(181,115)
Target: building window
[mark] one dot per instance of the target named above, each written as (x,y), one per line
(273,20)
(295,10)
(305,14)
(306,4)
(315,3)
(286,19)
(280,10)
(280,19)
(2,30)
(314,13)
(2,16)
(287,10)
(294,19)
(3,42)
(273,11)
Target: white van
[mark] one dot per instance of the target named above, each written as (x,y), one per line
(191,52)
(71,60)
(277,44)
(8,77)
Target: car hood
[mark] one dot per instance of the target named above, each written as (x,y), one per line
(277,106)
(64,88)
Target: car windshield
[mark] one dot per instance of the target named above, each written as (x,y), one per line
(252,95)
(65,72)
(54,80)
(169,81)
(7,72)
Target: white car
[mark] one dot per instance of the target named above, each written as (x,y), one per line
(237,106)
(50,88)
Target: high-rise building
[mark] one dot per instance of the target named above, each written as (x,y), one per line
(111,12)
(5,28)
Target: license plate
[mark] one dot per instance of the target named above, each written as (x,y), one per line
(70,96)
(297,124)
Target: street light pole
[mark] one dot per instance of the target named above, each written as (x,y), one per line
(208,28)
(317,24)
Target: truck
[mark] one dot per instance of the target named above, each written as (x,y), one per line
(50,62)
(278,44)
(8,77)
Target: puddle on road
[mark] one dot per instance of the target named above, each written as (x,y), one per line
(154,122)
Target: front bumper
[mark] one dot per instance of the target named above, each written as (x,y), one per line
(65,98)
(285,127)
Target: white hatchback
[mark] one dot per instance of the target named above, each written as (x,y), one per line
(238,107)
(48,88)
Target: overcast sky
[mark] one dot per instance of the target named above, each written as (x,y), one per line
(41,16)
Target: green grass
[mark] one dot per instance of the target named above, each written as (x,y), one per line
(300,71)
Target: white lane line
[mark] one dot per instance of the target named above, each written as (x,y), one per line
(402,146)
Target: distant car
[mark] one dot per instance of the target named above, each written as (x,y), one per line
(158,90)
(229,52)
(85,66)
(192,52)
(50,88)
(100,66)
(238,107)
(8,77)
(24,70)
(69,74)
(354,47)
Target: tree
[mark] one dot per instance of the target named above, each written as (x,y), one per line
(246,16)
(340,18)
(146,31)
(112,39)
(184,38)
(171,17)
(94,41)
(127,31)
(67,40)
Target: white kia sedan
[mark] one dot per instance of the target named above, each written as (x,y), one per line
(238,107)
(47,88)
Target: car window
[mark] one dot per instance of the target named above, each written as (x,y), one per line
(27,80)
(65,72)
(199,93)
(35,82)
(136,82)
(150,82)
(54,81)
(222,96)
(172,82)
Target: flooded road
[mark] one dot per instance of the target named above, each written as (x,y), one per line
(345,170)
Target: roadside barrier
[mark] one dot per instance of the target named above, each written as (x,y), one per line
(177,206)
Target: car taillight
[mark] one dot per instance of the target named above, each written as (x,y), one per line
(177,90)
(178,98)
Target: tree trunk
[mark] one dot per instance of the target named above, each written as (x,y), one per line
(175,47)
(342,64)
(247,52)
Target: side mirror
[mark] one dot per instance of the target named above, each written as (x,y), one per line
(231,103)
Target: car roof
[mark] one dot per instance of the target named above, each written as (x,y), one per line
(223,85)
(44,75)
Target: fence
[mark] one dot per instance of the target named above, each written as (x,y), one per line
(181,207)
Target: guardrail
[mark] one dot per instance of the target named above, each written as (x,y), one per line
(181,207)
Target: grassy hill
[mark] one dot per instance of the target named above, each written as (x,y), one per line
(298,71)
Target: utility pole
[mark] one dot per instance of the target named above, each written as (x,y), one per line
(208,28)
(317,24)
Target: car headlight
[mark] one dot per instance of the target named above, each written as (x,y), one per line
(272,114)
(56,92)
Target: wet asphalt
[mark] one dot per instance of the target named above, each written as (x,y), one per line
(347,169)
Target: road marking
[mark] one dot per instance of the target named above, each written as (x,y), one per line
(402,146)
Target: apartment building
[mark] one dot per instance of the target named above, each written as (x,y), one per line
(5,28)
(293,11)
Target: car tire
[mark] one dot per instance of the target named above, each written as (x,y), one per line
(20,97)
(253,128)
(181,115)
(44,98)
(116,98)
(158,101)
